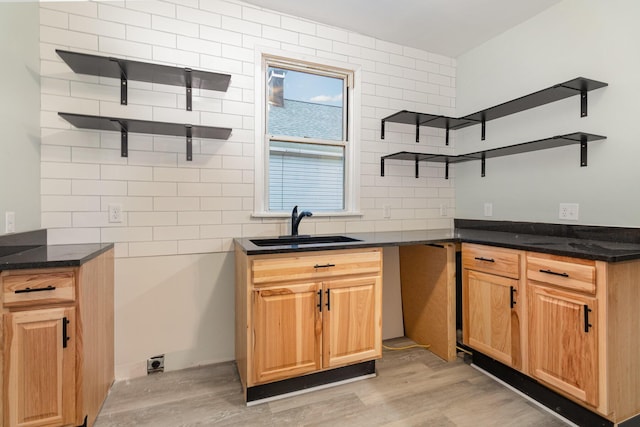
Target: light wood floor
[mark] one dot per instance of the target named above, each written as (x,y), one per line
(413,388)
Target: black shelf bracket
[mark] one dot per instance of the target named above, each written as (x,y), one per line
(583,151)
(583,103)
(382,130)
(417,168)
(483,131)
(482,165)
(417,131)
(189,144)
(124,142)
(446,169)
(124,83)
(187,83)
(382,167)
(446,138)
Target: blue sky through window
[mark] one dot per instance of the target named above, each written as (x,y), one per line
(307,87)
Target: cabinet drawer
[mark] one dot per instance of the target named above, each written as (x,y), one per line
(38,288)
(564,273)
(317,266)
(502,262)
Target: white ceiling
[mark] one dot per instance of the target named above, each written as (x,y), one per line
(447,27)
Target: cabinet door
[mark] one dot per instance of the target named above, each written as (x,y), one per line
(287,323)
(41,367)
(352,330)
(563,341)
(488,309)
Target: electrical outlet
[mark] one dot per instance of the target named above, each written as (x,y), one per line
(443,210)
(115,213)
(386,211)
(488,209)
(10,222)
(569,211)
(155,364)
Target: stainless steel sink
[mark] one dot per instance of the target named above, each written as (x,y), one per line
(302,240)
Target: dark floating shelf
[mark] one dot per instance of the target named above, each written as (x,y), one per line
(125,70)
(124,126)
(578,86)
(525,147)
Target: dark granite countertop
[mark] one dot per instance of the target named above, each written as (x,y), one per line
(596,243)
(22,251)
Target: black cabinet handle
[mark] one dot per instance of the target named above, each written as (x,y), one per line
(324,265)
(319,300)
(479,258)
(587,325)
(328,300)
(65,337)
(554,273)
(512,302)
(27,290)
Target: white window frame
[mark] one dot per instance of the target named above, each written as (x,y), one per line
(352,147)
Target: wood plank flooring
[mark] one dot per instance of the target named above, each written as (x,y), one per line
(413,388)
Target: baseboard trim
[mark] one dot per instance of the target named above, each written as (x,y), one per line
(311,382)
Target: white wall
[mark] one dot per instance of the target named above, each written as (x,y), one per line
(20,115)
(589,38)
(180,217)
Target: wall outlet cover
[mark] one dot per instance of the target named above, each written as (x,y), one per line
(569,211)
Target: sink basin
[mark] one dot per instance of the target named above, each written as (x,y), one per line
(302,240)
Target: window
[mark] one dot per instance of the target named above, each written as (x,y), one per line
(306,132)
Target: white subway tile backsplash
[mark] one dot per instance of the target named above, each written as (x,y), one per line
(199,189)
(176,204)
(54,18)
(173,206)
(55,219)
(182,232)
(96,26)
(145,35)
(55,153)
(279,34)
(116,47)
(68,38)
(190,14)
(69,170)
(55,186)
(129,204)
(222,7)
(153,7)
(65,236)
(70,203)
(260,16)
(152,188)
(102,188)
(108,12)
(147,219)
(127,234)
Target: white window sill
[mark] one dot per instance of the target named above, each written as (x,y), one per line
(315,214)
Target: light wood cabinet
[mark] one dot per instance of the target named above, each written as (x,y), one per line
(564,329)
(563,341)
(306,312)
(492,300)
(57,342)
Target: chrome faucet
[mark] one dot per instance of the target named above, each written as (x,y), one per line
(295,219)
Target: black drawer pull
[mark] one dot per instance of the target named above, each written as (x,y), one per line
(479,258)
(27,290)
(554,273)
(324,265)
